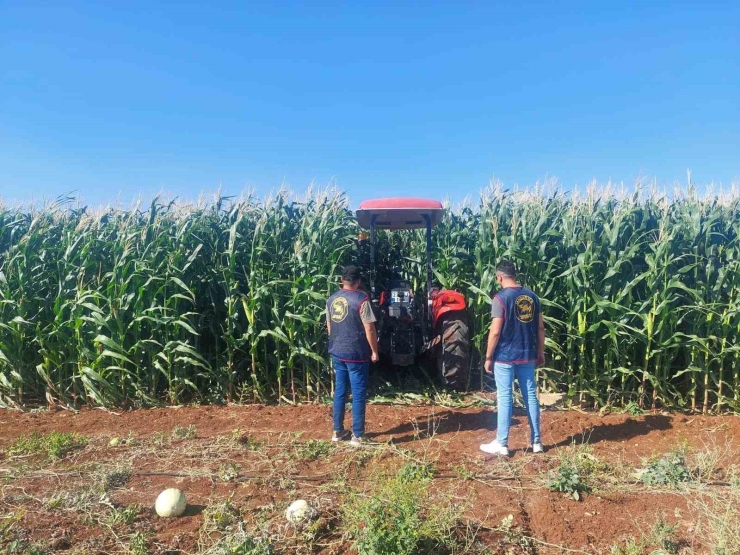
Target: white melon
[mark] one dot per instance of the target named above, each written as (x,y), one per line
(171,502)
(298,511)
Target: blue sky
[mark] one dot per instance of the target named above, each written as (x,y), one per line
(119,99)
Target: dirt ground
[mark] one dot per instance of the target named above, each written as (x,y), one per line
(256,456)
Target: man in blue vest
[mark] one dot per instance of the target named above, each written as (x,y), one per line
(353,343)
(516,342)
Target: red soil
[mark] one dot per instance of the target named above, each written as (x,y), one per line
(590,526)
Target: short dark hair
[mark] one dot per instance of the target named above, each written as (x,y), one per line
(507,268)
(351,274)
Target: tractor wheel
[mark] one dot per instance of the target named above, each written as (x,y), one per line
(452,351)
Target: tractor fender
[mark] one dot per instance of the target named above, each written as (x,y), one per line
(444,301)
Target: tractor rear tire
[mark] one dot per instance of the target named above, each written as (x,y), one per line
(453,350)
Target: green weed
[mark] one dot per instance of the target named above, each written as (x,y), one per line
(137,544)
(415,472)
(660,541)
(228,472)
(184,432)
(313,449)
(53,445)
(124,516)
(219,517)
(116,478)
(240,542)
(159,438)
(399,516)
(576,472)
(669,470)
(568,479)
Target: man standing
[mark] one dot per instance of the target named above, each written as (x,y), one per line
(516,341)
(352,345)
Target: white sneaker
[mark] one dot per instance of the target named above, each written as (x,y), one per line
(495,448)
(358,441)
(339,436)
(537,448)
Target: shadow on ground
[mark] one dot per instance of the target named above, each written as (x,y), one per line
(442,423)
(619,431)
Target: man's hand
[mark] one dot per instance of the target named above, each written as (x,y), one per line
(540,360)
(488,366)
(375,357)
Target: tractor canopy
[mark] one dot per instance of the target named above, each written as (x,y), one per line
(399,213)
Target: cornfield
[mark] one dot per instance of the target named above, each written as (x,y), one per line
(224,301)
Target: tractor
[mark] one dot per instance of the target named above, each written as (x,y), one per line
(432,324)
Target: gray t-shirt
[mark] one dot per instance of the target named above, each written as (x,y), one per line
(497,308)
(366,313)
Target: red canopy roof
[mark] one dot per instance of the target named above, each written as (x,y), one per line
(398,203)
(399,213)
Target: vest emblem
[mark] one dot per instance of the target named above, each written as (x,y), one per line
(339,309)
(524,309)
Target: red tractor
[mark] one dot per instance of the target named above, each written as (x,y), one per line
(433,324)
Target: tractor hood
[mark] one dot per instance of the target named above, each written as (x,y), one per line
(399,213)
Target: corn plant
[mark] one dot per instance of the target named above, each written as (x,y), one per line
(224,301)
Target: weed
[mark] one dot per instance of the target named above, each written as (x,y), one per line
(217,518)
(228,472)
(251,444)
(237,439)
(576,472)
(359,457)
(413,472)
(514,535)
(7,524)
(240,542)
(137,544)
(11,538)
(313,449)
(463,472)
(567,479)
(733,477)
(399,516)
(116,478)
(122,517)
(663,536)
(718,514)
(55,502)
(53,445)
(82,499)
(669,470)
(25,547)
(629,547)
(633,409)
(159,438)
(184,432)
(704,464)
(660,541)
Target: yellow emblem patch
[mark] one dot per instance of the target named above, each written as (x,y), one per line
(338,310)
(524,309)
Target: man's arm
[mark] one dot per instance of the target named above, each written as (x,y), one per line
(541,341)
(372,339)
(368,320)
(494,334)
(328,321)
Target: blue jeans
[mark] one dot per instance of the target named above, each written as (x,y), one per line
(524,373)
(352,375)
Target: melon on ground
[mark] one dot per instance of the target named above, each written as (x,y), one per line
(171,502)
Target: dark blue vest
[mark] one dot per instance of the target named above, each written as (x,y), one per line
(518,340)
(347,340)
